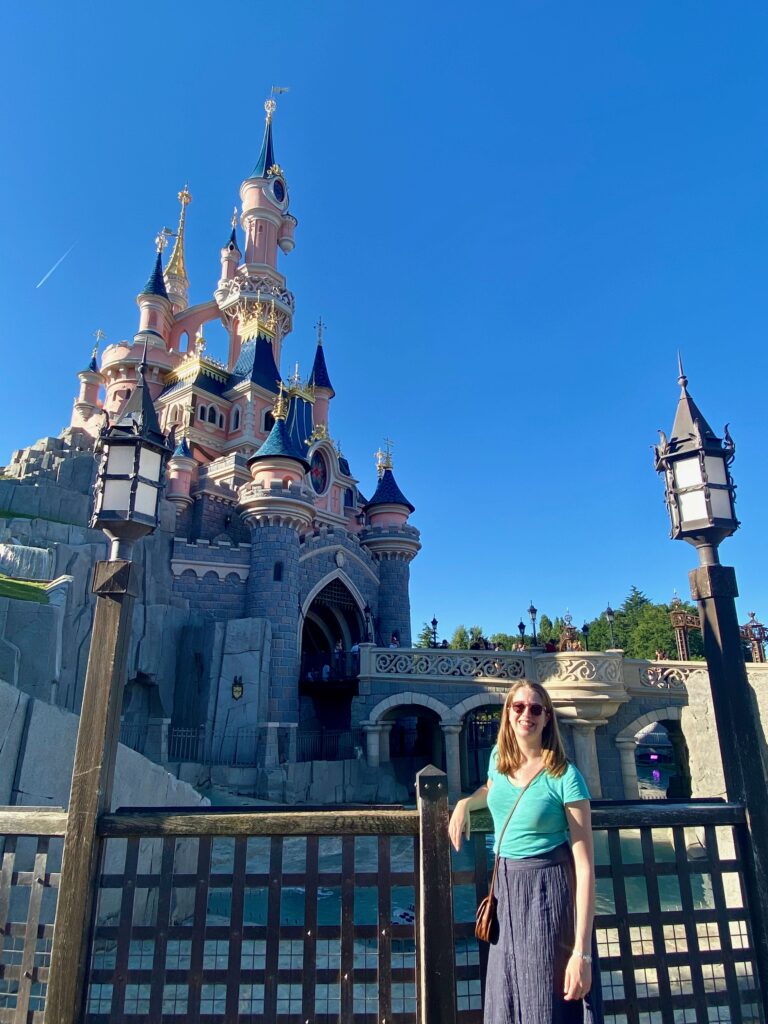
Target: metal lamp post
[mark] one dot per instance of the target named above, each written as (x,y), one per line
(699,493)
(433,624)
(521,630)
(125,506)
(585,634)
(610,615)
(532,616)
(755,634)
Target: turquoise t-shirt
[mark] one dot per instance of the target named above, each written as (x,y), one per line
(539,823)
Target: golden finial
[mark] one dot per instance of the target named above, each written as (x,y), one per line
(270,106)
(379,456)
(199,342)
(176,262)
(100,336)
(320,326)
(388,444)
(280,410)
(234,217)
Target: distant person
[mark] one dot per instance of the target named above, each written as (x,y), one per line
(550,647)
(394,640)
(326,672)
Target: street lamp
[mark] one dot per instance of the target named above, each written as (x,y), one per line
(699,493)
(434,631)
(585,634)
(532,616)
(521,630)
(125,506)
(755,634)
(610,615)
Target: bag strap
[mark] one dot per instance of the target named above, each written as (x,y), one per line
(520,796)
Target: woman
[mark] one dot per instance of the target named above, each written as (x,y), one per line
(540,961)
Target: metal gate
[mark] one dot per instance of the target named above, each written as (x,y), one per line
(481,729)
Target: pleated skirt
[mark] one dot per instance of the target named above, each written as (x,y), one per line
(533,942)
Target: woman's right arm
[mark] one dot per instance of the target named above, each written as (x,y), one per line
(459,824)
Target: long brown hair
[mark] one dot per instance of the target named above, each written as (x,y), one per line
(508,755)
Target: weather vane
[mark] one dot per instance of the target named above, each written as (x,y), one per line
(161,239)
(320,325)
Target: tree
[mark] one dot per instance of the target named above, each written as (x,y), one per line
(424,638)
(548,630)
(504,640)
(460,639)
(476,635)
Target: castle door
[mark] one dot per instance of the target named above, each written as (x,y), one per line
(330,657)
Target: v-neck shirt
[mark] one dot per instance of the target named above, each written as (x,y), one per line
(539,823)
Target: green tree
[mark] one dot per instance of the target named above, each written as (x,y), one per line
(548,630)
(475,634)
(424,638)
(460,638)
(504,640)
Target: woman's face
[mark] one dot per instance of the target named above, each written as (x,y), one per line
(526,723)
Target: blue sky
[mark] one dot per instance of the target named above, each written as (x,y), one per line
(511,216)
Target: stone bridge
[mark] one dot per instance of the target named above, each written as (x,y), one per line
(602,700)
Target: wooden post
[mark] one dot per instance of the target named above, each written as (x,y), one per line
(115,584)
(738,733)
(436,953)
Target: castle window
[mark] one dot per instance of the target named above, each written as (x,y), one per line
(269,421)
(221,420)
(211,415)
(201,412)
(236,419)
(349,498)
(277,572)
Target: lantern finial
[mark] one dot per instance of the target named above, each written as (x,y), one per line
(682,380)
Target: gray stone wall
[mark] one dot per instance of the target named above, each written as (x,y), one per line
(278,601)
(394,601)
(221,599)
(319,558)
(208,518)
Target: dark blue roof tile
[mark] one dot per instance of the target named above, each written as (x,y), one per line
(319,376)
(156,282)
(388,493)
(280,444)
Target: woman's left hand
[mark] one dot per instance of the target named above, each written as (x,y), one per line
(578,978)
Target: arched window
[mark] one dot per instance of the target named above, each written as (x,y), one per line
(269,421)
(211,415)
(221,420)
(277,572)
(201,412)
(236,419)
(349,498)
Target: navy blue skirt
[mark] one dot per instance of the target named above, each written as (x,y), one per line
(533,943)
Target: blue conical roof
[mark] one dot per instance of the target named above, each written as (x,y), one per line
(280,444)
(266,158)
(319,376)
(155,282)
(256,363)
(388,493)
(181,451)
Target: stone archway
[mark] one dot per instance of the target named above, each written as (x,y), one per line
(480,715)
(626,742)
(333,626)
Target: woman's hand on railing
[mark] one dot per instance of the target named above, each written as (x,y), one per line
(460,824)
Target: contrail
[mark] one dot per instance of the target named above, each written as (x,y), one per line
(56,265)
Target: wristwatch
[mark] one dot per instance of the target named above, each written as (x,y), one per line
(587,957)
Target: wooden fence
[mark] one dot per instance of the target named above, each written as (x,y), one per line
(316,915)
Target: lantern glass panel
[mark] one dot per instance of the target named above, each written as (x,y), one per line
(715,469)
(688,473)
(693,506)
(721,504)
(117,496)
(120,459)
(150,464)
(146,499)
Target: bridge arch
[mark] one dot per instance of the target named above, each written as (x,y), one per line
(626,743)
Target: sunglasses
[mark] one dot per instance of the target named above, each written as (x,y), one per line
(519,707)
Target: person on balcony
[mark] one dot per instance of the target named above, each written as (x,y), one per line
(542,960)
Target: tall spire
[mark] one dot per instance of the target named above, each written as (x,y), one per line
(155,284)
(265,162)
(319,376)
(176,262)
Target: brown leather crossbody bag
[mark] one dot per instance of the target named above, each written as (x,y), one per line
(485,918)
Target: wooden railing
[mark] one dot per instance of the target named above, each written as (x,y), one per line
(316,915)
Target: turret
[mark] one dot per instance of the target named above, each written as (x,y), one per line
(279,458)
(176,280)
(230,254)
(321,382)
(394,543)
(87,407)
(181,468)
(265,218)
(155,309)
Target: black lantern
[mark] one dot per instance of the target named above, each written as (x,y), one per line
(434,631)
(521,629)
(585,634)
(532,616)
(698,487)
(130,476)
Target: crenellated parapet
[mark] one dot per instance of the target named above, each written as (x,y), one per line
(276,504)
(219,556)
(402,543)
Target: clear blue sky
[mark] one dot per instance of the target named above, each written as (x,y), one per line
(511,215)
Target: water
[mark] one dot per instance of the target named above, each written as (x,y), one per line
(22,562)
